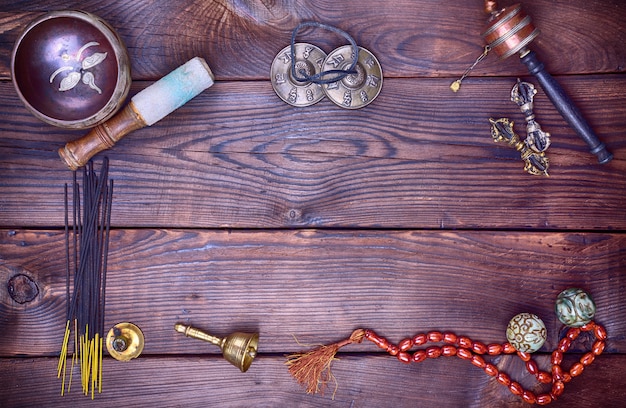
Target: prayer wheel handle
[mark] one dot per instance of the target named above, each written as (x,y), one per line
(508,32)
(566,107)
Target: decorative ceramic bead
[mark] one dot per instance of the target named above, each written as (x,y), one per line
(526,332)
(575,307)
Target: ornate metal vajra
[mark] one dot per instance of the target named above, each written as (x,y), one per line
(534,162)
(74,77)
(522,94)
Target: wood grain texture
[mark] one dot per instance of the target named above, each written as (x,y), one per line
(317,285)
(241,38)
(239,212)
(362,380)
(418,157)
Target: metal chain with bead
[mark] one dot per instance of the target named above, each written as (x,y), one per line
(473,351)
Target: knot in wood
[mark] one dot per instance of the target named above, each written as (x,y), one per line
(294,215)
(22,288)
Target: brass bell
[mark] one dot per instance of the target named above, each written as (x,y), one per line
(125,341)
(239,349)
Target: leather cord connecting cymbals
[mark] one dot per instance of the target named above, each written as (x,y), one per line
(302,74)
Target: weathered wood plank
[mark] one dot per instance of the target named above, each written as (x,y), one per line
(316,285)
(362,380)
(418,157)
(241,38)
(403,217)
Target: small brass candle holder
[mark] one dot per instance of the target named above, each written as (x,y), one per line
(125,341)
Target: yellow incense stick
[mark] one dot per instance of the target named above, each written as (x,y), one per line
(100,373)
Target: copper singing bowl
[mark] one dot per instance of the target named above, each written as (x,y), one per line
(71,69)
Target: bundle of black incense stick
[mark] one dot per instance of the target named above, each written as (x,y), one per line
(86,248)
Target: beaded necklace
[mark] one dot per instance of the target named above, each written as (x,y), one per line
(574,308)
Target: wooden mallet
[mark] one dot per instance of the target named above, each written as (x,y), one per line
(145,109)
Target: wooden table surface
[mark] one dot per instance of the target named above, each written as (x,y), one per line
(239,212)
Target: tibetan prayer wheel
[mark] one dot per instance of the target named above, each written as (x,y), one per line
(508,32)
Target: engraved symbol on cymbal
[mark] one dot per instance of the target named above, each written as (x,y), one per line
(357,90)
(308,60)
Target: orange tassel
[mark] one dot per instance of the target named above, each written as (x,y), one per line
(312,369)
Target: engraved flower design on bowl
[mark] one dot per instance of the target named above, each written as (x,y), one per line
(74,78)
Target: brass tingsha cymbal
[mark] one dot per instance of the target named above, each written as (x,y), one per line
(354,90)
(308,58)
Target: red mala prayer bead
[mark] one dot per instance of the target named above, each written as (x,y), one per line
(599,332)
(516,388)
(544,377)
(420,339)
(433,352)
(557,372)
(532,367)
(507,348)
(464,353)
(448,350)
(564,345)
(503,379)
(478,361)
(479,348)
(544,399)
(434,336)
(464,342)
(524,356)
(404,357)
(405,344)
(587,358)
(557,389)
(449,338)
(598,347)
(494,349)
(419,356)
(576,369)
(529,397)
(382,343)
(572,333)
(491,369)
(557,357)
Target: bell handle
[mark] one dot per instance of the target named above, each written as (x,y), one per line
(77,153)
(565,106)
(196,333)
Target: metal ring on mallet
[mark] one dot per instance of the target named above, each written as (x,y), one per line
(508,32)
(145,109)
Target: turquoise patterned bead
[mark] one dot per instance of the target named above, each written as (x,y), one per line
(526,332)
(575,307)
